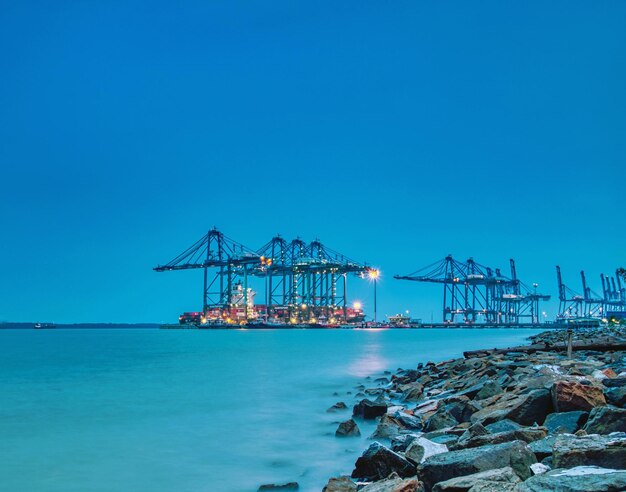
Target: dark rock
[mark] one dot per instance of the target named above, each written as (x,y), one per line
(408,421)
(528,434)
(348,429)
(378,461)
(340,484)
(608,451)
(614,383)
(395,484)
(440,420)
(472,391)
(489,389)
(526,409)
(578,479)
(270,487)
(604,420)
(503,425)
(565,422)
(570,395)
(468,461)
(401,443)
(461,409)
(543,447)
(616,396)
(337,407)
(414,392)
(464,483)
(387,428)
(368,409)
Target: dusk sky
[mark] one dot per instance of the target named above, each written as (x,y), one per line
(395,132)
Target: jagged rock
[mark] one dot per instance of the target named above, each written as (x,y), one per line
(408,421)
(609,451)
(271,487)
(565,422)
(527,434)
(604,420)
(543,447)
(429,406)
(340,484)
(570,395)
(337,407)
(440,420)
(445,466)
(472,391)
(414,392)
(461,409)
(489,389)
(503,425)
(614,383)
(368,409)
(616,396)
(395,484)
(461,484)
(524,409)
(539,468)
(348,429)
(378,461)
(387,428)
(488,486)
(401,443)
(422,448)
(578,479)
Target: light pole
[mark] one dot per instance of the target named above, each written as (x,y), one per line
(373,274)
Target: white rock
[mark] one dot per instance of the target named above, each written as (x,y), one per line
(578,471)
(539,468)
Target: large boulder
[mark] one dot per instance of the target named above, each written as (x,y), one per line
(378,462)
(489,389)
(340,484)
(445,466)
(615,382)
(616,396)
(526,434)
(568,396)
(464,483)
(368,409)
(543,447)
(526,409)
(422,448)
(272,487)
(441,419)
(387,428)
(606,451)
(577,479)
(348,429)
(461,408)
(401,442)
(395,484)
(604,420)
(565,422)
(337,407)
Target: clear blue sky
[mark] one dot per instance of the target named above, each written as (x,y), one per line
(395,132)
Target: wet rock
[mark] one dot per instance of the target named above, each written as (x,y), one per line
(608,451)
(616,396)
(348,429)
(340,484)
(565,422)
(414,392)
(408,421)
(461,409)
(527,434)
(568,396)
(524,409)
(474,460)
(578,479)
(489,389)
(503,425)
(441,419)
(604,420)
(338,407)
(395,484)
(401,443)
(422,448)
(368,409)
(464,483)
(387,428)
(271,487)
(614,383)
(378,461)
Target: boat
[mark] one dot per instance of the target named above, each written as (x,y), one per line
(39,326)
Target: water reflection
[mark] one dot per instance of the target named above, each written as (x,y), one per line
(369,362)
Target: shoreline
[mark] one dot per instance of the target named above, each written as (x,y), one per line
(542,419)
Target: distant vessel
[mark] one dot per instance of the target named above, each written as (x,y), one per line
(39,326)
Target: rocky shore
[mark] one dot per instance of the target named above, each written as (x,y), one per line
(506,420)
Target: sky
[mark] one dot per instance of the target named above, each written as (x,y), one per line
(394,132)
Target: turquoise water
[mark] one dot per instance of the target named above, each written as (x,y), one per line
(161,410)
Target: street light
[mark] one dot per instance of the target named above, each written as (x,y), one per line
(373,274)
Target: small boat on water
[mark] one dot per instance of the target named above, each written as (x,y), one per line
(39,326)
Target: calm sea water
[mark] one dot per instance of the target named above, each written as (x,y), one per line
(161,410)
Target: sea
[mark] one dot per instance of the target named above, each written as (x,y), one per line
(196,410)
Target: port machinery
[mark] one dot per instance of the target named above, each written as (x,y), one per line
(477,294)
(304,283)
(578,308)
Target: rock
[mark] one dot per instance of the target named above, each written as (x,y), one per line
(488,486)
(368,409)
(565,422)
(502,426)
(272,487)
(539,468)
(395,484)
(408,421)
(401,443)
(472,391)
(616,396)
(525,409)
(461,484)
(414,392)
(570,451)
(429,406)
(489,389)
(421,448)
(461,409)
(387,428)
(578,479)
(441,419)
(337,407)
(340,484)
(614,383)
(445,466)
(378,461)
(348,429)
(604,420)
(570,395)
(543,447)
(526,434)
